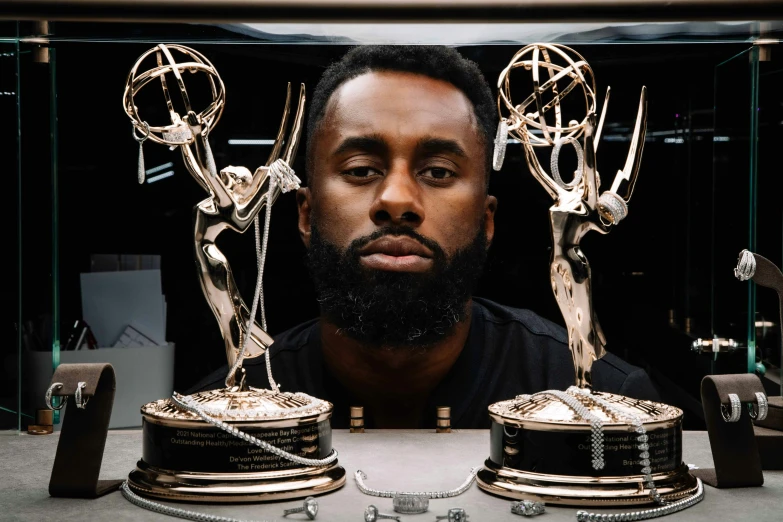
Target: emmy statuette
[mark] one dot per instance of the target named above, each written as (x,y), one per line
(237,443)
(579,446)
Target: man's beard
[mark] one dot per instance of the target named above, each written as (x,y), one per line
(394,309)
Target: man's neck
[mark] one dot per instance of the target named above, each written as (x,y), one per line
(393,383)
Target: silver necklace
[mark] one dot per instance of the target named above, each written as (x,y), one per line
(360,477)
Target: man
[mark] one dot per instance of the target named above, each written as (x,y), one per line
(397,221)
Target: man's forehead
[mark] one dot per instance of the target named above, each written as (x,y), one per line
(382,102)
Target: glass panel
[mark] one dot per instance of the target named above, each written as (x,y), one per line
(670,263)
(10,378)
(769,225)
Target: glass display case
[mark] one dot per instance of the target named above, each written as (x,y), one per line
(663,282)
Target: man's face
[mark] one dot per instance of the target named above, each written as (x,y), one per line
(397,194)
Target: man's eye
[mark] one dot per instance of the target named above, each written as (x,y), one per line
(438,173)
(361,172)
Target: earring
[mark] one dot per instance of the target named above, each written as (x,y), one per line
(759,410)
(210,159)
(736,409)
(48,396)
(141,140)
(501,141)
(555,160)
(80,402)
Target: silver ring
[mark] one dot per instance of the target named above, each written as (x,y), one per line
(736,409)
(746,266)
(81,403)
(527,508)
(48,396)
(555,159)
(411,504)
(371,514)
(309,508)
(614,205)
(454,515)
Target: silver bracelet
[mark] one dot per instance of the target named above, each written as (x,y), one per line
(644,514)
(360,477)
(163,509)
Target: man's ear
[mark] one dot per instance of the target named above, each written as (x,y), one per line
(303,203)
(490,206)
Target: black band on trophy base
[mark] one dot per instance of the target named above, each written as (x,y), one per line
(568,452)
(203,448)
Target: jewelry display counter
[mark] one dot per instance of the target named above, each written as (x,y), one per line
(393,459)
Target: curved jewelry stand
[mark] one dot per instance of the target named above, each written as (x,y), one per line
(215,446)
(578,447)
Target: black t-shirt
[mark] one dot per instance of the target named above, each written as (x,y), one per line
(509,351)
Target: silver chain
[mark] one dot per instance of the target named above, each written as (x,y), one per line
(596,424)
(645,514)
(282,175)
(171,511)
(360,477)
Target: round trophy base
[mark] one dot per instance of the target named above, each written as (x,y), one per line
(583,491)
(235,487)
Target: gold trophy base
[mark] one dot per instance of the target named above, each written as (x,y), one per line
(583,491)
(235,487)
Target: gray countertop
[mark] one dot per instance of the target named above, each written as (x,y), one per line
(392,459)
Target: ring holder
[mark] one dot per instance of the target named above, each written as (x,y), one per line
(83,435)
(734,448)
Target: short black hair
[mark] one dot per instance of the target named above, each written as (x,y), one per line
(434,61)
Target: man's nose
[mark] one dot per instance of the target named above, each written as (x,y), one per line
(399,199)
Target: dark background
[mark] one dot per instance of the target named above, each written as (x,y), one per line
(661,279)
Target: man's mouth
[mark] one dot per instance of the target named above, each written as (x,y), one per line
(396,254)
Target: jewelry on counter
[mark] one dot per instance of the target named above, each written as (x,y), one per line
(645,514)
(371,514)
(746,266)
(360,477)
(171,511)
(80,402)
(190,405)
(411,504)
(501,142)
(141,172)
(555,159)
(454,515)
(759,411)
(309,508)
(48,396)
(736,409)
(527,508)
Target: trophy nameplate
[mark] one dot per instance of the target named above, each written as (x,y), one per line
(184,457)
(543,446)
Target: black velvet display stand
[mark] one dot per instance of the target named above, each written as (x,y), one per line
(83,435)
(734,449)
(769,431)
